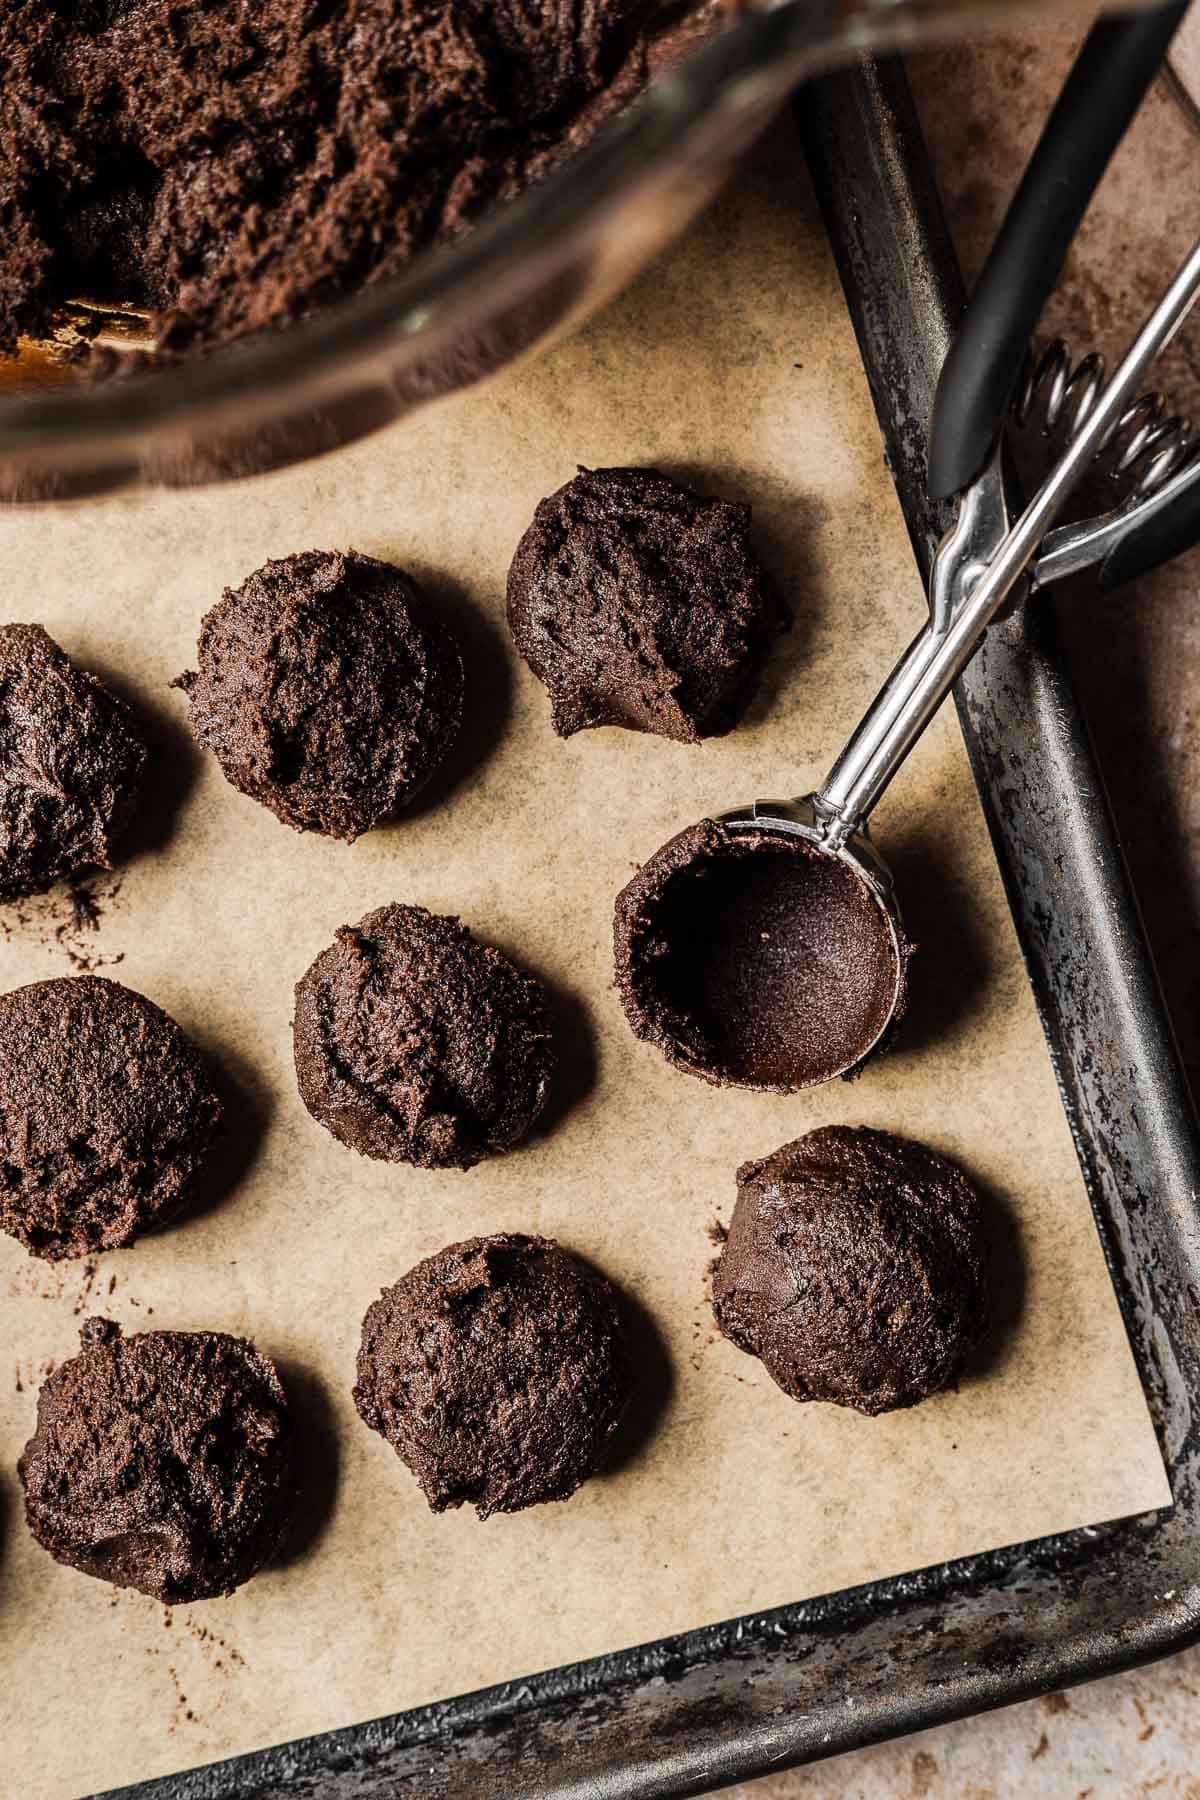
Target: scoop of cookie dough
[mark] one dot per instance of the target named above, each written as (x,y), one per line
(107,1115)
(854,1268)
(415,1043)
(71,763)
(753,959)
(498,1371)
(640,603)
(161,1462)
(328,689)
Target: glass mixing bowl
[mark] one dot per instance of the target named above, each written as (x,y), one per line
(460,311)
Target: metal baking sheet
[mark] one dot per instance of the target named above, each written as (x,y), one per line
(732,1700)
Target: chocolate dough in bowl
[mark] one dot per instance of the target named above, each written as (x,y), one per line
(238,240)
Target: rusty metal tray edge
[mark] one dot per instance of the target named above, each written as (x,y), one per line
(684,1715)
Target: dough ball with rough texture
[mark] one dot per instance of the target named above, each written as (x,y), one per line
(71,764)
(161,1462)
(637,602)
(328,688)
(498,1371)
(415,1043)
(107,1116)
(854,1268)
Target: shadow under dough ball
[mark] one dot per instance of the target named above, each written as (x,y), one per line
(71,763)
(498,1371)
(107,1116)
(854,1268)
(161,1462)
(415,1043)
(755,960)
(328,688)
(637,602)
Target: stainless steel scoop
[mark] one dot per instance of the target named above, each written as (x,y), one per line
(982,564)
(764,978)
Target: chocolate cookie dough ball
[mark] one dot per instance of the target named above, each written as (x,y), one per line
(161,1462)
(415,1043)
(328,689)
(639,603)
(71,764)
(854,1268)
(107,1116)
(498,1371)
(754,959)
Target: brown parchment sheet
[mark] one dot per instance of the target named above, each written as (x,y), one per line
(730,363)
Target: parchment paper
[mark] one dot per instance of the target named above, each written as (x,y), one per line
(732,363)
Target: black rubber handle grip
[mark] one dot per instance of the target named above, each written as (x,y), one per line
(1157,539)
(1119,59)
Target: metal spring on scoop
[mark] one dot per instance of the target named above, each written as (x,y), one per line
(1146,445)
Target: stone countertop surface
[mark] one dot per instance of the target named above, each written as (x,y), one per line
(1136,660)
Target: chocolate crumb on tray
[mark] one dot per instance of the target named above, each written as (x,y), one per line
(72,758)
(637,602)
(756,960)
(162,1462)
(229,168)
(328,688)
(498,1371)
(854,1269)
(107,1116)
(416,1043)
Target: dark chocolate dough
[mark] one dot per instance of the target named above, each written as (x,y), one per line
(498,1371)
(854,1268)
(233,167)
(638,602)
(415,1043)
(71,764)
(161,1462)
(754,960)
(328,688)
(107,1115)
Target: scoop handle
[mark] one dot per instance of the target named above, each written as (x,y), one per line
(1161,532)
(979,587)
(1120,57)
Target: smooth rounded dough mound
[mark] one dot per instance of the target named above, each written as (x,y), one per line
(498,1371)
(107,1116)
(854,1268)
(161,1462)
(415,1043)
